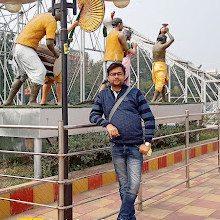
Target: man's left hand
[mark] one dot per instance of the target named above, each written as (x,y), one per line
(144,149)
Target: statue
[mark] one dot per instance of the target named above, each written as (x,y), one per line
(116,47)
(159,70)
(28,63)
(49,80)
(127,59)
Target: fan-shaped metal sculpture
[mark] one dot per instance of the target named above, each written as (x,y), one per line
(92,14)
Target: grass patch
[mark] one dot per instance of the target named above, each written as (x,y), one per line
(209,134)
(15,167)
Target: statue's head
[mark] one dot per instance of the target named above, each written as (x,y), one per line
(117,23)
(127,34)
(57,13)
(162,38)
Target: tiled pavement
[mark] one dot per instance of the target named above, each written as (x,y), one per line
(200,201)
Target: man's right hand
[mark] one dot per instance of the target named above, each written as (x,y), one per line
(112,131)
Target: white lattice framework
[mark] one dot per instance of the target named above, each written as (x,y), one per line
(194,85)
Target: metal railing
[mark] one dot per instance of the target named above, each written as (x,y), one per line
(61,156)
(187,160)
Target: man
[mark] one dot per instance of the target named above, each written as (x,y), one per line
(26,58)
(159,70)
(116,47)
(126,134)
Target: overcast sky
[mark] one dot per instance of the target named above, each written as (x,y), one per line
(193,23)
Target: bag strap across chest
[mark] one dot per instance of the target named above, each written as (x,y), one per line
(119,101)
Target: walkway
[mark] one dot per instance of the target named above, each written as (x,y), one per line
(201,201)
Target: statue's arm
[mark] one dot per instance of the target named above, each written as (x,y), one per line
(132,50)
(50,45)
(123,42)
(166,45)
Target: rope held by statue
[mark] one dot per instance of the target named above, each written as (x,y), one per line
(72,32)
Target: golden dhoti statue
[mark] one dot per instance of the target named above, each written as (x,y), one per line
(159,75)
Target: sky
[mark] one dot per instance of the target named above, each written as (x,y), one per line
(193,23)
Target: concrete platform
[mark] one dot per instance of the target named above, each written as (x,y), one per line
(77,116)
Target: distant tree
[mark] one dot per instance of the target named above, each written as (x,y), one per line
(176,90)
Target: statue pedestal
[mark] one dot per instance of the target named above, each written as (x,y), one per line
(77,116)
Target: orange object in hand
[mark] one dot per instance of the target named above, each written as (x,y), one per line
(163,29)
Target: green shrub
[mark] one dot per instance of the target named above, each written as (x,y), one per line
(88,142)
(78,143)
(177,140)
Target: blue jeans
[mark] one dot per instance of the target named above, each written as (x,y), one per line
(128,163)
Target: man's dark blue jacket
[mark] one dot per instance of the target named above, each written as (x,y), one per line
(127,117)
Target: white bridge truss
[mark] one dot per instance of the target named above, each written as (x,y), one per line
(187,83)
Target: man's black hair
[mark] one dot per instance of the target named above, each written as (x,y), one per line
(114,65)
(116,21)
(161,37)
(50,9)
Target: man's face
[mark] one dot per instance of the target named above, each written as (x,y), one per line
(120,26)
(116,77)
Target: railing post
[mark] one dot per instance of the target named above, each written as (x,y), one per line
(140,197)
(61,168)
(37,158)
(187,150)
(138,67)
(218,138)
